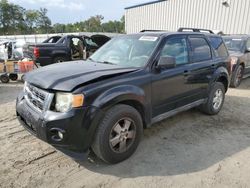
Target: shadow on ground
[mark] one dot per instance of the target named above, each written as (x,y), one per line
(186,143)
(9,92)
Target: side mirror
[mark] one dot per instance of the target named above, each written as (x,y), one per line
(166,62)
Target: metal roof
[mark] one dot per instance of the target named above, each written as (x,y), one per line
(143,4)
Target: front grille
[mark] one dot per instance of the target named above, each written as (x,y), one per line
(37,98)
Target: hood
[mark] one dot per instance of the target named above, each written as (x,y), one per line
(235,53)
(67,76)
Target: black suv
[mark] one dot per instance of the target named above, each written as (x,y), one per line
(239,50)
(130,83)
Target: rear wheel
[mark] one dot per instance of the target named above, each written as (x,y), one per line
(237,76)
(4,78)
(59,59)
(118,135)
(215,99)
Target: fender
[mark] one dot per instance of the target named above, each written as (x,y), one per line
(119,94)
(219,73)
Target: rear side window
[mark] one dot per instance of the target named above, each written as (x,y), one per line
(201,49)
(218,46)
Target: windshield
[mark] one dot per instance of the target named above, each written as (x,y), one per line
(126,51)
(234,44)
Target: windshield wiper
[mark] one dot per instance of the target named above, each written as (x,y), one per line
(103,62)
(106,62)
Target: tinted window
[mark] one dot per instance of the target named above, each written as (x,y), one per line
(218,46)
(177,48)
(201,49)
(234,44)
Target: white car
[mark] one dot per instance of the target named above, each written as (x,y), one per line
(11,49)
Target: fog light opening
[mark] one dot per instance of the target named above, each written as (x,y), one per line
(57,134)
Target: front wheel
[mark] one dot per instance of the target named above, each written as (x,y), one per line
(118,135)
(215,99)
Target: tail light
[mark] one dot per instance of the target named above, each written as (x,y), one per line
(36,52)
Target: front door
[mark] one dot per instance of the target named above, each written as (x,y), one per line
(247,55)
(168,85)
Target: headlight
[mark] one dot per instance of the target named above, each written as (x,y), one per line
(67,101)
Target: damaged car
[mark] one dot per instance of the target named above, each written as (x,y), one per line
(133,81)
(59,49)
(239,49)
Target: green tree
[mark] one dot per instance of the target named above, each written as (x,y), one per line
(59,28)
(114,26)
(31,18)
(15,19)
(93,24)
(43,22)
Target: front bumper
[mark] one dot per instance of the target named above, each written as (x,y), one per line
(78,126)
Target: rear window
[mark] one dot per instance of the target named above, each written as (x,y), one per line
(201,49)
(218,46)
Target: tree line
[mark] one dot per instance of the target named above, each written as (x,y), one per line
(16,20)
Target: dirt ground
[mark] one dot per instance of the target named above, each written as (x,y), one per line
(188,150)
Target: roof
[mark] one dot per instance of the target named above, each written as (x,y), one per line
(165,33)
(237,36)
(143,4)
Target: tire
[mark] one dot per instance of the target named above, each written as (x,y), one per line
(215,99)
(13,76)
(106,144)
(59,59)
(237,76)
(4,78)
(22,78)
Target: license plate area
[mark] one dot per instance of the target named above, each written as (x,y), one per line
(30,118)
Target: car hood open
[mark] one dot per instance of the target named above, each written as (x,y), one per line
(67,76)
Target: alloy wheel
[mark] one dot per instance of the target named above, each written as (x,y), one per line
(122,135)
(218,99)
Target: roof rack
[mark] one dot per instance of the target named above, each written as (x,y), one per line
(183,29)
(146,30)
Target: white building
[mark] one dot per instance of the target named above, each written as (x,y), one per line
(229,16)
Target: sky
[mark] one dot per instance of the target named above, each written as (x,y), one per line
(63,11)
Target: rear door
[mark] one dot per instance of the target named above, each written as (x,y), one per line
(201,67)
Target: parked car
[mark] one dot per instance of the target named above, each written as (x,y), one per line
(53,39)
(14,49)
(239,49)
(130,83)
(67,48)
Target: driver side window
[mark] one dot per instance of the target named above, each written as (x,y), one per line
(176,48)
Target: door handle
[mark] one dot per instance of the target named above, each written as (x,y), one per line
(213,65)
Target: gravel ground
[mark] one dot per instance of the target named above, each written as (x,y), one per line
(188,150)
